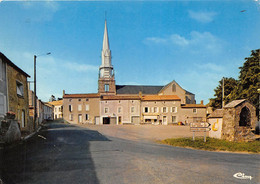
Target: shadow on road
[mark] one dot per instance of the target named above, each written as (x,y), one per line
(58,154)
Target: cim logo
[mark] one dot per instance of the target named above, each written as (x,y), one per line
(242,176)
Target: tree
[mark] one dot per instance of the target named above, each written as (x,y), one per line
(249,80)
(247,86)
(229,85)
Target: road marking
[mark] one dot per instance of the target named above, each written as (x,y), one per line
(242,176)
(42,137)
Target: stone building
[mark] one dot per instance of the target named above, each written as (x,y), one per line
(14,92)
(235,122)
(131,104)
(57,109)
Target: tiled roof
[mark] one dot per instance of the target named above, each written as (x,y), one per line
(234,103)
(9,62)
(58,102)
(89,95)
(135,89)
(160,97)
(193,106)
(121,97)
(218,113)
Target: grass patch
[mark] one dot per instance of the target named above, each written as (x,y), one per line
(215,144)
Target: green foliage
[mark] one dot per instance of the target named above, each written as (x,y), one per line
(215,144)
(247,85)
(229,85)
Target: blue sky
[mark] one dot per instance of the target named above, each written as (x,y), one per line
(195,43)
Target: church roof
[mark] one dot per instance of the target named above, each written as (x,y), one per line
(135,89)
(160,98)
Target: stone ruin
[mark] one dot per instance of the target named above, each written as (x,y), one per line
(238,120)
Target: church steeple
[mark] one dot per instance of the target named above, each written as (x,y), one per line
(106,81)
(106,68)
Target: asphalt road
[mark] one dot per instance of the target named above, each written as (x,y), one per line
(64,153)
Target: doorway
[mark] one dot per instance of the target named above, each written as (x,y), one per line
(106,120)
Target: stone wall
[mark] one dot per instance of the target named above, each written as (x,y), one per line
(18,103)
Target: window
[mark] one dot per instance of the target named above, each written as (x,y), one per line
(132,109)
(70,117)
(55,109)
(119,110)
(146,109)
(87,107)
(79,99)
(79,107)
(164,109)
(106,87)
(174,109)
(70,108)
(106,110)
(194,111)
(155,109)
(119,119)
(86,116)
(173,88)
(174,119)
(119,101)
(19,88)
(59,109)
(86,99)
(70,100)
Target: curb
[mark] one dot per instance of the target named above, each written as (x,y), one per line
(31,135)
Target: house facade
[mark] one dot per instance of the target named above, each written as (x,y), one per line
(57,108)
(14,92)
(131,104)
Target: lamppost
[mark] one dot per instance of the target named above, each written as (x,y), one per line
(35,101)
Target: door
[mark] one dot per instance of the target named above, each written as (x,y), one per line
(97,120)
(80,118)
(164,120)
(106,120)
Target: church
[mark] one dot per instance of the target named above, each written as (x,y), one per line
(131,104)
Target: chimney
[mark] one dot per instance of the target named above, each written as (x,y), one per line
(201,102)
(63,93)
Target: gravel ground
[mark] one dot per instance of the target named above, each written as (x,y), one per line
(143,132)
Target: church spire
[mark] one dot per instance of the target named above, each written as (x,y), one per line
(106,81)
(105,39)
(106,68)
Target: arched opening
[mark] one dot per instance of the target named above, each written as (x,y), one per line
(245,117)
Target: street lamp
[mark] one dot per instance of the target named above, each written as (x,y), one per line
(35,102)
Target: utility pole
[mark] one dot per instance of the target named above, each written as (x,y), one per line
(223,94)
(35,96)
(35,101)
